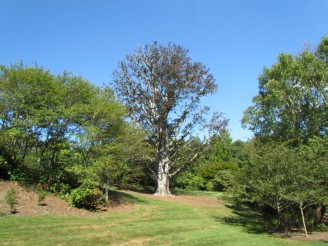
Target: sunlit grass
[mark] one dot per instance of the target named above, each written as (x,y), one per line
(198,193)
(151,222)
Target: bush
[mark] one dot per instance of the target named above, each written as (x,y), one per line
(87,196)
(41,197)
(11,199)
(190,181)
(218,176)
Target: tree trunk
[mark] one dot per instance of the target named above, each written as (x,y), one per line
(303,219)
(163,186)
(320,213)
(106,192)
(163,176)
(106,195)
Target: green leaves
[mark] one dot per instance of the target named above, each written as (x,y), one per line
(283,177)
(292,99)
(51,122)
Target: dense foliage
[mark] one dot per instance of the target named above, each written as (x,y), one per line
(292,99)
(57,130)
(87,195)
(287,173)
(288,184)
(214,171)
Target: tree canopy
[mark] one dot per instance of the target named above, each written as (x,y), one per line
(287,168)
(58,130)
(292,99)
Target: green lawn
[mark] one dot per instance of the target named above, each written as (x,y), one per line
(198,193)
(151,222)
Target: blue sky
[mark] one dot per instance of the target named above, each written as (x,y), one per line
(234,38)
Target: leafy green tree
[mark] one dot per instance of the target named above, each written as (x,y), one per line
(285,178)
(322,50)
(289,117)
(309,183)
(241,152)
(162,88)
(215,170)
(11,199)
(123,160)
(106,148)
(220,147)
(28,98)
(218,176)
(51,123)
(292,99)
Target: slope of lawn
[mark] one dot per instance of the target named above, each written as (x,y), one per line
(152,221)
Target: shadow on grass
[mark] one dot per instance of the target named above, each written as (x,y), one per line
(243,216)
(118,198)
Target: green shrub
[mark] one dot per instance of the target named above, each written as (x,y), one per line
(41,197)
(88,196)
(11,199)
(190,181)
(218,176)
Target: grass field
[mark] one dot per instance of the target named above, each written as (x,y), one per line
(150,222)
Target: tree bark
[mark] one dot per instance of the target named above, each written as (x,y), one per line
(163,175)
(303,219)
(105,189)
(163,186)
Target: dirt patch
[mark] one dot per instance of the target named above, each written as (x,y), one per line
(27,204)
(192,200)
(313,236)
(139,241)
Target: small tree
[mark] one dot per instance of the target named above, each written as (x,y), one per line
(11,199)
(162,88)
(41,197)
(285,178)
(309,177)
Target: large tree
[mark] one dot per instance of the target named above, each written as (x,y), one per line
(50,122)
(162,88)
(292,99)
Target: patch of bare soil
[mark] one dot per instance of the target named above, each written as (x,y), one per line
(313,236)
(27,204)
(193,200)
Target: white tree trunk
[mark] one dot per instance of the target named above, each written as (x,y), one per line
(163,176)
(163,186)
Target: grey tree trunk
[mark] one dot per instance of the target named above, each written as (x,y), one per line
(163,186)
(163,175)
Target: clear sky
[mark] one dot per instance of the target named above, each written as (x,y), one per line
(234,38)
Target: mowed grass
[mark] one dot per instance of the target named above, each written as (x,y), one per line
(198,193)
(151,222)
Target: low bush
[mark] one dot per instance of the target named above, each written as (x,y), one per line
(87,196)
(11,199)
(41,197)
